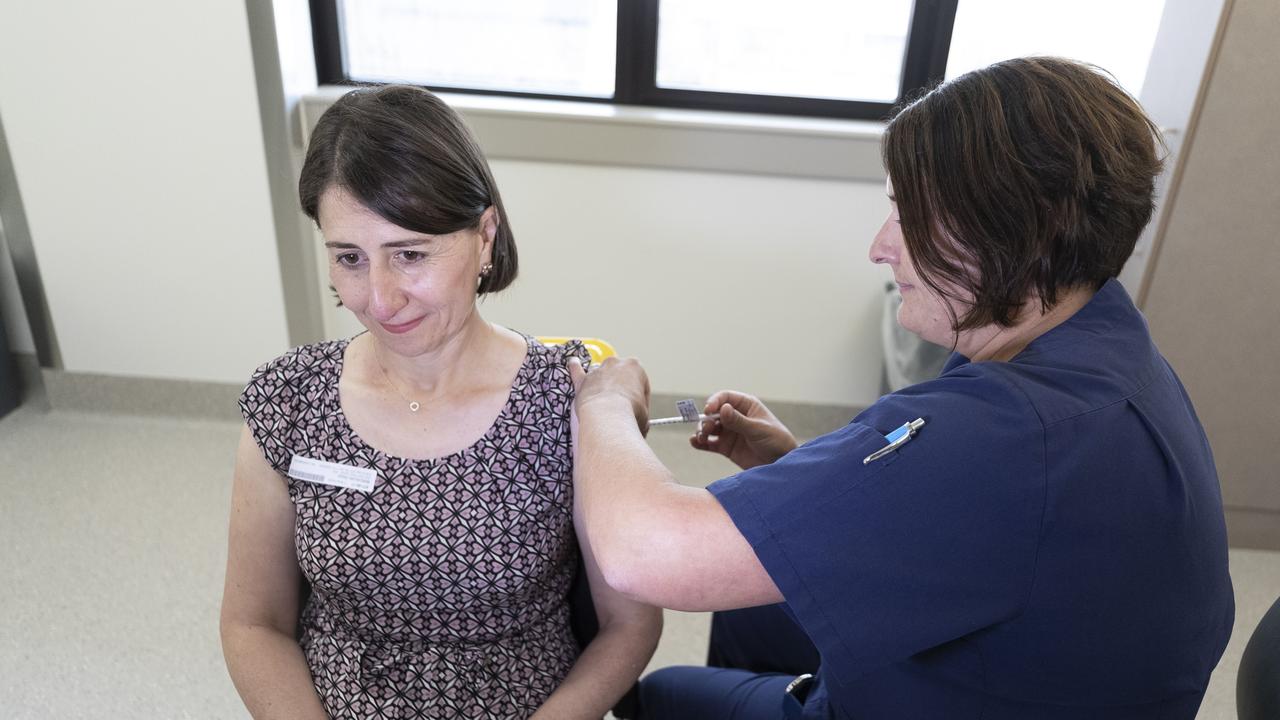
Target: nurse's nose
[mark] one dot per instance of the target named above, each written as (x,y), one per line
(886,247)
(386,296)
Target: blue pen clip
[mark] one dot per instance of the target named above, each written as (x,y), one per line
(896,439)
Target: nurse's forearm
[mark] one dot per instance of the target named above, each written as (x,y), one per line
(656,541)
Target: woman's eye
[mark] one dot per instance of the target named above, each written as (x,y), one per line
(412,256)
(348,259)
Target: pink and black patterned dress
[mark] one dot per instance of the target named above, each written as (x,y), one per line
(441,593)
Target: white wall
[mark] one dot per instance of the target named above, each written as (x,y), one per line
(713,280)
(136,141)
(651,258)
(136,138)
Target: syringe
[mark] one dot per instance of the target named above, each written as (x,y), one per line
(688,413)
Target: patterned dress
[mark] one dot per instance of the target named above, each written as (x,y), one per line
(441,593)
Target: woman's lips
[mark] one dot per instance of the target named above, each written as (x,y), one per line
(402,328)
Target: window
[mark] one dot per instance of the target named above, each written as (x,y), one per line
(556,48)
(833,58)
(800,48)
(1117,36)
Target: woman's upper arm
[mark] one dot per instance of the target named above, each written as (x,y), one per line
(263,579)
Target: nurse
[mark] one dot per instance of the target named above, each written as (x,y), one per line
(1048,543)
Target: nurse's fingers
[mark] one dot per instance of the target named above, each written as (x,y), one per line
(577,373)
(734,420)
(709,426)
(740,400)
(748,406)
(698,441)
(705,441)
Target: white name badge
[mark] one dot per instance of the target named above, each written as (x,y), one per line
(335,474)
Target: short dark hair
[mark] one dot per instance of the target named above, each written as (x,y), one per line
(1020,180)
(407,156)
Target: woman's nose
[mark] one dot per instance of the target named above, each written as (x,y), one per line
(385,294)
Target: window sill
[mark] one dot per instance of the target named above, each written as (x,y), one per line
(602,134)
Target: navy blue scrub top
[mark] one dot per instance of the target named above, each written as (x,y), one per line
(1050,545)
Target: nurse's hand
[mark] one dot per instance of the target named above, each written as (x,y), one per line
(613,380)
(746,432)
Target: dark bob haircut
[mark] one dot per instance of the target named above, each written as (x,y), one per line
(407,156)
(1021,180)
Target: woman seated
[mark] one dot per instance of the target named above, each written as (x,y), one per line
(415,479)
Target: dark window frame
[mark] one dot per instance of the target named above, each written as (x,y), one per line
(924,64)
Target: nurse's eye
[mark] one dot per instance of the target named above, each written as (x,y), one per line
(348,259)
(412,256)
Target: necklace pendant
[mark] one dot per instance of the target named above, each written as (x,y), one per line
(413,407)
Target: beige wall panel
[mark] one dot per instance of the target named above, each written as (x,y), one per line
(1212,301)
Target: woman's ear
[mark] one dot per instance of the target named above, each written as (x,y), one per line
(488,233)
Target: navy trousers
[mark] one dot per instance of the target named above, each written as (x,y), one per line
(754,654)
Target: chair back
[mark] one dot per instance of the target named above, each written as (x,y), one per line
(599,349)
(1258,678)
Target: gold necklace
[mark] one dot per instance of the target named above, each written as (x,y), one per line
(413,404)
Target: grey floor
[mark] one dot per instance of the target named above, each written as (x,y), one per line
(112,529)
